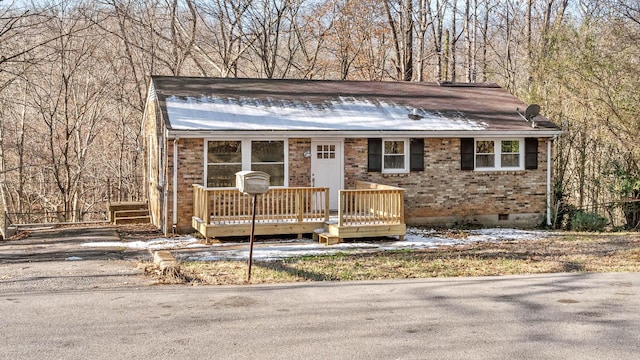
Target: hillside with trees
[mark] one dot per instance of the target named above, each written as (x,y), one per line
(74,76)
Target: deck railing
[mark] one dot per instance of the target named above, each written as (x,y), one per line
(371,204)
(279,205)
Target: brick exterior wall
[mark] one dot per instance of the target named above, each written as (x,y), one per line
(442,194)
(299,166)
(190,171)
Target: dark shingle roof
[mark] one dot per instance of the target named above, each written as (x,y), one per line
(485,105)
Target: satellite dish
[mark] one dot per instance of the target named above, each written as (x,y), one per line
(532,111)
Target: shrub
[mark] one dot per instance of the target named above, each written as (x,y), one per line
(588,221)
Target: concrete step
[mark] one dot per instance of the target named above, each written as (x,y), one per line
(166,263)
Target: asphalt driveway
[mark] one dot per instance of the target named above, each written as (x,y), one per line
(55,259)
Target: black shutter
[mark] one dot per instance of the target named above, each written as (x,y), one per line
(467,153)
(530,153)
(416,157)
(375,155)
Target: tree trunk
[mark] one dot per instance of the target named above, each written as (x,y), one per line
(408,41)
(453,41)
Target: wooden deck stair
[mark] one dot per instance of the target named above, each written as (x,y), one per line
(326,238)
(129,212)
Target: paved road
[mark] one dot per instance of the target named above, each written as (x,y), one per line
(559,316)
(594,316)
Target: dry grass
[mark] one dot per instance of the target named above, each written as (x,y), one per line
(568,252)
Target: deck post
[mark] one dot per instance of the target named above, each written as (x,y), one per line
(341,197)
(326,203)
(299,207)
(207,218)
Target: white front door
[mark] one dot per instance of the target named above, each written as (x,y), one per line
(326,168)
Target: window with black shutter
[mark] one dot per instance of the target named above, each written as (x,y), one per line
(395,155)
(486,154)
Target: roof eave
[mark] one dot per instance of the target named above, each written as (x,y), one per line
(270,134)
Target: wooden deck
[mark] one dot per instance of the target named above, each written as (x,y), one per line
(227,212)
(370,210)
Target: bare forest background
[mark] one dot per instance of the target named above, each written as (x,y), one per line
(74,76)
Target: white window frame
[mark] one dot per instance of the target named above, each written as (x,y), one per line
(407,145)
(246,157)
(497,146)
(285,149)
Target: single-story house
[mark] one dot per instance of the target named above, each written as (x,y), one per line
(461,153)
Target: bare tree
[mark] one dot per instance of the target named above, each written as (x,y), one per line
(71,108)
(400,18)
(269,26)
(436,20)
(224,35)
(312,30)
(422,25)
(453,41)
(470,34)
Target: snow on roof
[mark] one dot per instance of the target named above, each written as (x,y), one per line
(265,105)
(345,113)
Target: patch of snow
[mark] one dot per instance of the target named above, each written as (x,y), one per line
(347,113)
(414,239)
(154,244)
(73,258)
(503,235)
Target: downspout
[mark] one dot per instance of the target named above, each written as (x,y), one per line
(549,181)
(175,185)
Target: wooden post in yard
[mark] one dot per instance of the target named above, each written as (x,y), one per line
(253,227)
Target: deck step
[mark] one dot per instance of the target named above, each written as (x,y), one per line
(129,212)
(132,220)
(328,239)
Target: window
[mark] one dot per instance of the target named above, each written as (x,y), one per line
(394,156)
(326,152)
(485,154)
(510,153)
(498,154)
(226,158)
(268,156)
